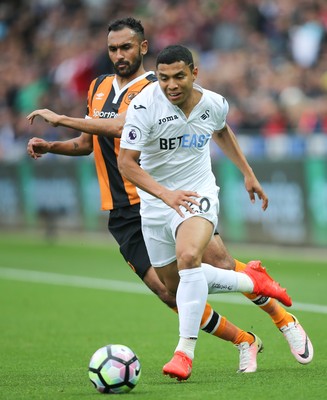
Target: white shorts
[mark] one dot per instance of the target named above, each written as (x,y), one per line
(159,227)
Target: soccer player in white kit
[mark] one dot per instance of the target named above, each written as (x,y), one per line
(165,153)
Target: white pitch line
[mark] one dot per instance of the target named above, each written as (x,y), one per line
(52,278)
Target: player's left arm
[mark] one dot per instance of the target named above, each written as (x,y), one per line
(111,127)
(226,140)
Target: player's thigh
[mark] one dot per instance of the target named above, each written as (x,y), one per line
(192,237)
(125,226)
(158,237)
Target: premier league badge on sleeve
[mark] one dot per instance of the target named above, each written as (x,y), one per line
(133,136)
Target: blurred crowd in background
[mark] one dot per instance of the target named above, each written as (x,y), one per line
(267,57)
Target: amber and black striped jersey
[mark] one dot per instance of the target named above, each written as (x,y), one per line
(106,100)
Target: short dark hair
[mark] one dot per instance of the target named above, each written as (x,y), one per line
(129,22)
(174,53)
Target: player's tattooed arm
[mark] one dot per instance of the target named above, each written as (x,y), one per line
(80,146)
(75,145)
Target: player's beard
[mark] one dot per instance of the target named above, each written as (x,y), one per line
(131,68)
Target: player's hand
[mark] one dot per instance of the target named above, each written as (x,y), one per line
(49,116)
(253,187)
(177,198)
(36,147)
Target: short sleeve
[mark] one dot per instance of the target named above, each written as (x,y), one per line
(136,129)
(224,108)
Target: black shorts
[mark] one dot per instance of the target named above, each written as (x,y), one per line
(125,226)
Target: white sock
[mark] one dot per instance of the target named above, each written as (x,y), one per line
(223,280)
(187,346)
(191,298)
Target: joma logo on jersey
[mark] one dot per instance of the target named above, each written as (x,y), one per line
(167,119)
(104,114)
(186,141)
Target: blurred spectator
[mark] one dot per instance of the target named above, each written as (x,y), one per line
(267,57)
(306,37)
(7,135)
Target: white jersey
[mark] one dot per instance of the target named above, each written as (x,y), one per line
(174,149)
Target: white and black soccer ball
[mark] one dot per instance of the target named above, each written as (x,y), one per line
(114,368)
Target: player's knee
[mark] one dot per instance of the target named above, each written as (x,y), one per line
(188,259)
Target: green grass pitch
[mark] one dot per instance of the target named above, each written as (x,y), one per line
(87,297)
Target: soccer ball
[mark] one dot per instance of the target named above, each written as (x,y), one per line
(114,368)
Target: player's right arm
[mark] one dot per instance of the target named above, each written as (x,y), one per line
(128,164)
(79,146)
(111,127)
